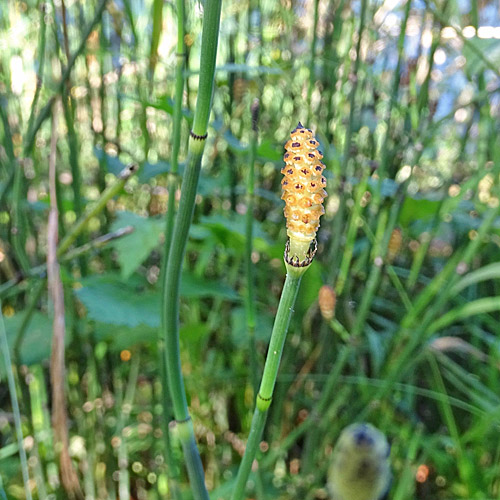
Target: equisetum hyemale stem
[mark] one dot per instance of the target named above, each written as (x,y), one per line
(177,248)
(303,192)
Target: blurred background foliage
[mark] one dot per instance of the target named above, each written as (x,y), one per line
(404,99)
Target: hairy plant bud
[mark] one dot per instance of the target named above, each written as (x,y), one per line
(394,246)
(327,299)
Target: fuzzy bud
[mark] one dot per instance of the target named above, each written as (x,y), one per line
(327,300)
(394,246)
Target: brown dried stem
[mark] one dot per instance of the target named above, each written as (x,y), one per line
(69,477)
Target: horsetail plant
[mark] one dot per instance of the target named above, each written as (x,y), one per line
(176,248)
(303,192)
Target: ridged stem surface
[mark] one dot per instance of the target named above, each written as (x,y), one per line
(171,284)
(264,397)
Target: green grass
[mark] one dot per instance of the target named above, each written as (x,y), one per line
(172,276)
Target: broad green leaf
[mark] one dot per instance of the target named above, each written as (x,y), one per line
(226,228)
(110,300)
(150,170)
(376,347)
(309,288)
(265,150)
(165,103)
(124,337)
(37,342)
(417,209)
(195,287)
(133,249)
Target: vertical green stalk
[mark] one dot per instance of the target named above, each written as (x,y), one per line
(169,220)
(312,63)
(170,305)
(155,38)
(176,133)
(386,224)
(15,406)
(45,112)
(331,58)
(334,254)
(250,297)
(426,309)
(41,64)
(265,395)
(384,154)
(351,234)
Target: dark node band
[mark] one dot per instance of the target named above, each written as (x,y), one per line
(183,421)
(294,261)
(198,137)
(264,399)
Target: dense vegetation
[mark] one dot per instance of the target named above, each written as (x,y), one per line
(97,100)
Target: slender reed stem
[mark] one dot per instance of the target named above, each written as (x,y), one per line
(312,63)
(250,278)
(45,112)
(169,221)
(170,306)
(176,133)
(41,65)
(384,154)
(15,406)
(109,193)
(386,224)
(418,320)
(334,255)
(265,395)
(351,235)
(155,38)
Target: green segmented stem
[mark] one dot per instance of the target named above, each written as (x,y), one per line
(268,381)
(176,251)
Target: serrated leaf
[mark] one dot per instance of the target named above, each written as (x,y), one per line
(224,227)
(110,300)
(133,249)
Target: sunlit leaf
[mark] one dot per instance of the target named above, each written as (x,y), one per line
(135,247)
